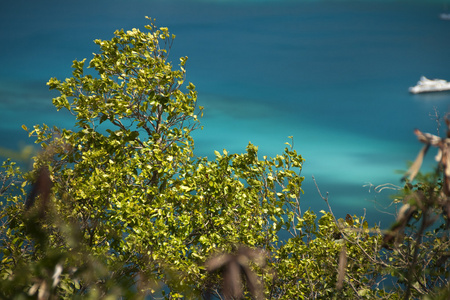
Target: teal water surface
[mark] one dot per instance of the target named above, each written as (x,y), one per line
(334,75)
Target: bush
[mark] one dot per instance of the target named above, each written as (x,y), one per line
(119,206)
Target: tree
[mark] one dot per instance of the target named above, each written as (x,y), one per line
(127,185)
(420,236)
(119,205)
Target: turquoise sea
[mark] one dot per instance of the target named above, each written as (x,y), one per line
(332,74)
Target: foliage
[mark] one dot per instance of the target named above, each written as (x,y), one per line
(119,206)
(420,237)
(125,179)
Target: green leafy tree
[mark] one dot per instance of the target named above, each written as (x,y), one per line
(127,192)
(119,205)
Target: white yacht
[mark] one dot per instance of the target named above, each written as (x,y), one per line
(445,16)
(425,85)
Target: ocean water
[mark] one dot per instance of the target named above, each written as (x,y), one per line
(332,74)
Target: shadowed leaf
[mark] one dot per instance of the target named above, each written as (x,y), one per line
(233,267)
(41,187)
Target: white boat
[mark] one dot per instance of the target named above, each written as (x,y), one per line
(445,16)
(425,85)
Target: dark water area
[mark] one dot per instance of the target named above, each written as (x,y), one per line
(334,75)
